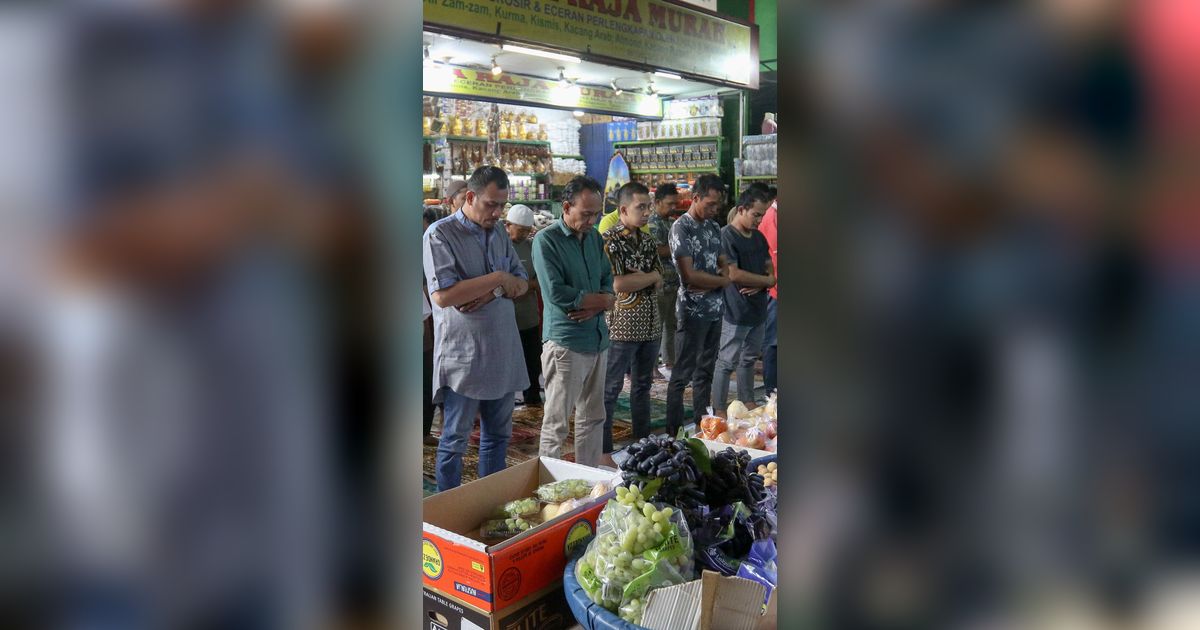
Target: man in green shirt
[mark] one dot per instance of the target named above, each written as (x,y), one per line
(577,287)
(519,224)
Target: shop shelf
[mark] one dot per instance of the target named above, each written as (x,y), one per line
(758,177)
(666,171)
(456,138)
(632,143)
(566,156)
(539,143)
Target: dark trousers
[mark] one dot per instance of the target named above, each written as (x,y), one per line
(531,345)
(696,344)
(770,351)
(637,358)
(427,394)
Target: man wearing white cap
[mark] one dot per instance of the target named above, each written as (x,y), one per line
(519,223)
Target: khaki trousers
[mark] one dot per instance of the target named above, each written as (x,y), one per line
(574,383)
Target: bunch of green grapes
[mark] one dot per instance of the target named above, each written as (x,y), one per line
(619,554)
(522,507)
(559,491)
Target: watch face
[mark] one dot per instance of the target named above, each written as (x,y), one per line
(498,292)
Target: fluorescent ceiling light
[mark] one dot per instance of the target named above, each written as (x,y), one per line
(668,75)
(577,112)
(541,53)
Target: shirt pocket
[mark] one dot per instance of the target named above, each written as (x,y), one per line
(502,263)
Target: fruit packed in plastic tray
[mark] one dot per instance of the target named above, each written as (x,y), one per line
(757,428)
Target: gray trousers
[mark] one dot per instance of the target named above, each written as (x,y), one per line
(740,347)
(666,309)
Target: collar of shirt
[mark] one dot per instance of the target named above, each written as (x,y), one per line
(483,236)
(566,229)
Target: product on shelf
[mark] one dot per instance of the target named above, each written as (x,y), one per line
(760,156)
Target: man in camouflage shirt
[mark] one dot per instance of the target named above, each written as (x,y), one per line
(696,247)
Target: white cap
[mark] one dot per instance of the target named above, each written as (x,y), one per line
(520,214)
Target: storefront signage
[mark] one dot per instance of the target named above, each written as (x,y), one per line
(514,88)
(655,33)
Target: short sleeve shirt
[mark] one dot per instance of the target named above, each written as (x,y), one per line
(661,230)
(702,243)
(476,354)
(635,316)
(527,305)
(749,253)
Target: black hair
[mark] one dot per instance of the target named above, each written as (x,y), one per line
(430,215)
(753,194)
(773,192)
(625,193)
(665,190)
(707,183)
(485,175)
(579,184)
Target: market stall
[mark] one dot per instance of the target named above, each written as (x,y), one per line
(548,91)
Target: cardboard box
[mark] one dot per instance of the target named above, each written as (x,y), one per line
(544,610)
(712,602)
(493,577)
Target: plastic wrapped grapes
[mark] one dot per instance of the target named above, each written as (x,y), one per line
(559,491)
(505,528)
(639,547)
(528,506)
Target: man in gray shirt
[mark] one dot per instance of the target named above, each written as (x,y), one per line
(473,274)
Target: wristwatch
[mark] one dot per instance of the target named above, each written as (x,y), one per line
(498,292)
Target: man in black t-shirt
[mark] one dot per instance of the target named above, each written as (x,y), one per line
(745,315)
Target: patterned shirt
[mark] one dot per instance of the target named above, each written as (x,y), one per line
(635,316)
(660,228)
(702,243)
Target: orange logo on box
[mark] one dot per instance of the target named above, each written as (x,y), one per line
(431,559)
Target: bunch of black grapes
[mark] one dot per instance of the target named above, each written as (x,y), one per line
(669,459)
(731,481)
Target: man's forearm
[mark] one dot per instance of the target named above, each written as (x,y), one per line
(704,280)
(635,281)
(600,301)
(466,290)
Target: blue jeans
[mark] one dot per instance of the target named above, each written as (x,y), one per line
(739,350)
(770,351)
(458,419)
(638,359)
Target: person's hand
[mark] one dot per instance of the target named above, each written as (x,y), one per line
(477,303)
(511,285)
(772,279)
(750,290)
(583,314)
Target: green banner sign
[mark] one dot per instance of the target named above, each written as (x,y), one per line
(515,88)
(654,33)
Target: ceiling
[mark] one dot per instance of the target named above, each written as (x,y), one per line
(465,52)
